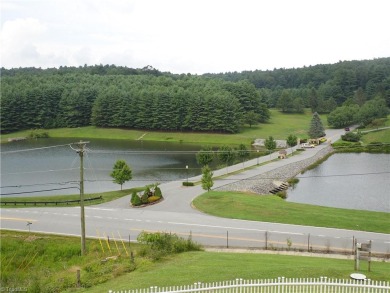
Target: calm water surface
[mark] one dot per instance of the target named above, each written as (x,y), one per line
(58,168)
(353,181)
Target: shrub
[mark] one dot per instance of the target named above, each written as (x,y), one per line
(162,244)
(145,195)
(282,194)
(185,183)
(36,133)
(350,136)
(135,200)
(157,192)
(292,182)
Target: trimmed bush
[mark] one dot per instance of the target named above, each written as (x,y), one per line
(157,192)
(135,200)
(185,183)
(145,196)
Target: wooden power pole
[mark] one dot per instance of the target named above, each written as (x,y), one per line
(81,151)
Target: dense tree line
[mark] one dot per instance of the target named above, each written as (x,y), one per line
(115,96)
(363,115)
(321,87)
(149,101)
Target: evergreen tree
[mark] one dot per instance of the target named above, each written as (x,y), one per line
(313,100)
(316,128)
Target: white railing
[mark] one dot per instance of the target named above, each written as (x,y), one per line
(279,285)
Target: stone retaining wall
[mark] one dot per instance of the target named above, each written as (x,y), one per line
(264,183)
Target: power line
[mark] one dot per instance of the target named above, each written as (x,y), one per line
(40,184)
(220,179)
(34,149)
(42,190)
(39,171)
(341,175)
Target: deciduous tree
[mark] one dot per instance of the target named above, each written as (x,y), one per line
(207,178)
(270,144)
(205,156)
(121,172)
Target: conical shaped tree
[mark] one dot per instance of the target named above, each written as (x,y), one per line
(316,128)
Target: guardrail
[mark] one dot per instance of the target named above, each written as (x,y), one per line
(58,202)
(313,285)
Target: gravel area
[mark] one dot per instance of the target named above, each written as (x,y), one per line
(264,183)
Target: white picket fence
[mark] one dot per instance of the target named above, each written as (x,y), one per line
(279,285)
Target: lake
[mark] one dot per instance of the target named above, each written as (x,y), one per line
(347,180)
(57,169)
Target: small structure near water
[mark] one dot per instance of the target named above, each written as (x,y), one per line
(282,154)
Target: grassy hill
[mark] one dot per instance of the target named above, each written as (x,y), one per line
(280,126)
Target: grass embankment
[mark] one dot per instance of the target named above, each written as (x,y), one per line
(280,126)
(49,263)
(382,136)
(106,196)
(271,208)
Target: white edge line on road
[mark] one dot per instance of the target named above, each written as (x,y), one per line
(233,228)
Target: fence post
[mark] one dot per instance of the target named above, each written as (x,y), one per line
(369,257)
(78,279)
(308,242)
(227,239)
(356,256)
(266,240)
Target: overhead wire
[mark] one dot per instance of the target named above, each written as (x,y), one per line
(42,190)
(39,171)
(39,184)
(88,150)
(34,149)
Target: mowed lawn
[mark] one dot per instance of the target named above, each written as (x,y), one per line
(271,208)
(377,136)
(205,267)
(280,126)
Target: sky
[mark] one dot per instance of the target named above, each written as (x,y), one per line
(192,36)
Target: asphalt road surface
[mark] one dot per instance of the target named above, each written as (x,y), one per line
(175,214)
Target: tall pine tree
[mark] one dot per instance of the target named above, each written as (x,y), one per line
(316,128)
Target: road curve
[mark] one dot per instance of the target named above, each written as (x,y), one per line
(175,214)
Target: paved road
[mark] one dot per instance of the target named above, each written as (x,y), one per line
(175,214)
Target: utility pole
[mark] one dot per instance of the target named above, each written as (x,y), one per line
(80,151)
